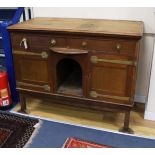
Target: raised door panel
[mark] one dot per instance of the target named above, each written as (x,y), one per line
(32,71)
(112,80)
(109,79)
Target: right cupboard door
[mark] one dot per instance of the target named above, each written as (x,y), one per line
(111,78)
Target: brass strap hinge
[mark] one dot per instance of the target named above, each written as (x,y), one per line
(95,59)
(94,94)
(43,54)
(45,87)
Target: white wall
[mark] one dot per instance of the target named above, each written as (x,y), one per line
(143,14)
(150,107)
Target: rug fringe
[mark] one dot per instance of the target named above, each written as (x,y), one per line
(63,146)
(35,132)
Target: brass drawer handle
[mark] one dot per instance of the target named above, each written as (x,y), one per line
(24,43)
(118,47)
(45,87)
(43,54)
(53,42)
(84,45)
(94,94)
(95,59)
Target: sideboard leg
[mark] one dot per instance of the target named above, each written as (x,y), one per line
(23,104)
(126,128)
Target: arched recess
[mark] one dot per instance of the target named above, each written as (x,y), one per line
(69,77)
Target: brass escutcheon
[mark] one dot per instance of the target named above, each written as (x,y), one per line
(44,55)
(93,94)
(46,87)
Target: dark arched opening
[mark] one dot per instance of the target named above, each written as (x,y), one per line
(69,77)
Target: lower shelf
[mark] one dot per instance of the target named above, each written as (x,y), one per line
(71,86)
(70,90)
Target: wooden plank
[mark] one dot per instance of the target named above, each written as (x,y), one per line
(92,26)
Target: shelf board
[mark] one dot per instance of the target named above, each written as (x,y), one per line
(70,90)
(72,85)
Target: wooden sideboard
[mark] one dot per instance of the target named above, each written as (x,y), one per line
(88,63)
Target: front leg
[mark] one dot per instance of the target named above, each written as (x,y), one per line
(23,104)
(126,128)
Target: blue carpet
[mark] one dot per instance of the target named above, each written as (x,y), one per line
(53,135)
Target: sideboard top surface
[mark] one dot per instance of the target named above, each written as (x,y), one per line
(77,25)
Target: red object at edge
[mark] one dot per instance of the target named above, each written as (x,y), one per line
(73,142)
(5,96)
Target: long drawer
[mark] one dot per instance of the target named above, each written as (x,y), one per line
(41,42)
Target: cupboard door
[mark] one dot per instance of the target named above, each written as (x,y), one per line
(32,71)
(111,79)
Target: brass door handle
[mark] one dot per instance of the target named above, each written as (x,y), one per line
(43,54)
(94,94)
(24,43)
(45,87)
(95,59)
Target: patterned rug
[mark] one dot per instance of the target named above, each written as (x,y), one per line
(78,143)
(15,130)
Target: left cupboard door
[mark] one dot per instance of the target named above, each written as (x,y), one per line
(32,70)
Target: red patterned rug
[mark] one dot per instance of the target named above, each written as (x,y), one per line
(4,135)
(15,130)
(78,143)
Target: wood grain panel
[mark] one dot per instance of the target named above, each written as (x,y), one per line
(36,42)
(109,80)
(76,42)
(43,42)
(91,26)
(114,46)
(33,70)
